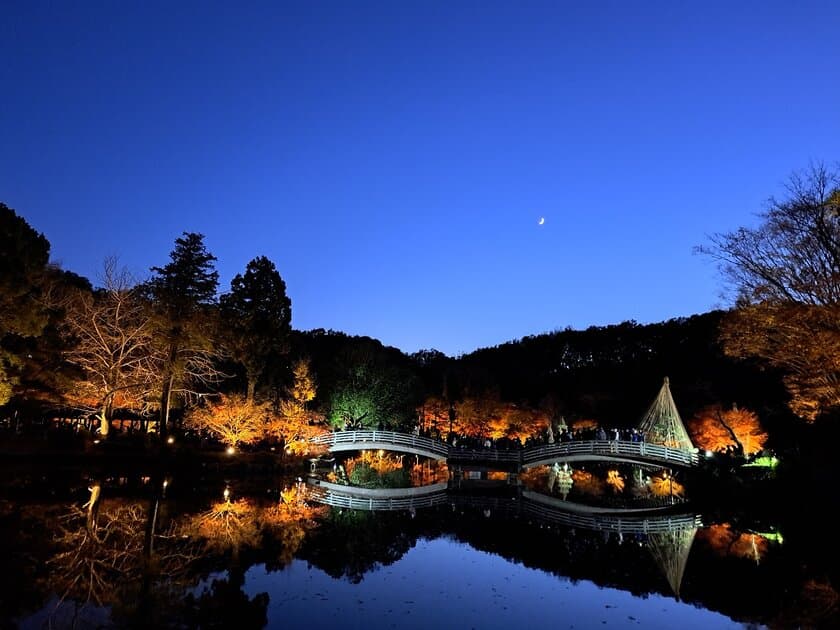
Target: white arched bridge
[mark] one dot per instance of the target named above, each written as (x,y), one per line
(640,453)
(666,444)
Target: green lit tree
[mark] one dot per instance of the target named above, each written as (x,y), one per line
(374,390)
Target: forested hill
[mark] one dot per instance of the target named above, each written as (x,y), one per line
(613,372)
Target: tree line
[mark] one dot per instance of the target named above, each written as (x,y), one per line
(171,350)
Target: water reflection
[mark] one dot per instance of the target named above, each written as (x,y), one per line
(133,551)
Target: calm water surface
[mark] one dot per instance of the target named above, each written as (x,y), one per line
(268,555)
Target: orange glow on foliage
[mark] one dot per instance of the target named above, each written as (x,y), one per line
(615,481)
(232,419)
(587,483)
(381,463)
(725,542)
(708,430)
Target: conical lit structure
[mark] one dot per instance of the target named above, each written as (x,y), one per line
(670,551)
(662,424)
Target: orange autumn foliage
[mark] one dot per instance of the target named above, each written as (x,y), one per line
(724,541)
(708,430)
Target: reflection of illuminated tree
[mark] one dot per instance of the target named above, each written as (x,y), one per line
(725,541)
(427,472)
(101,557)
(816,605)
(226,526)
(91,560)
(664,485)
(534,478)
(670,550)
(714,429)
(289,520)
(615,481)
(587,483)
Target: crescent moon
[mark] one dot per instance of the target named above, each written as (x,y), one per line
(541,221)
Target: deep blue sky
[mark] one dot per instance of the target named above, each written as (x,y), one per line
(393,158)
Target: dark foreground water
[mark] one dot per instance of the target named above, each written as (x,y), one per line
(124,551)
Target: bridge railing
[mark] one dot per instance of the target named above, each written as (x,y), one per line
(531,503)
(376,499)
(383,437)
(484,455)
(615,448)
(641,450)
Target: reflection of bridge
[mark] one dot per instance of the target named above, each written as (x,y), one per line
(668,535)
(640,453)
(544,508)
(666,444)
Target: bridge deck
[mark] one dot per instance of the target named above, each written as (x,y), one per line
(545,508)
(641,453)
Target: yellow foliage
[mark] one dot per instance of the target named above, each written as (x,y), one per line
(233,419)
(226,526)
(381,462)
(294,426)
(303,387)
(665,485)
(615,481)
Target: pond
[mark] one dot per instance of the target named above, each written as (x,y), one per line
(210,549)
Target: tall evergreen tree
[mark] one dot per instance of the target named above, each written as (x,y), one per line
(183,293)
(258,319)
(24,254)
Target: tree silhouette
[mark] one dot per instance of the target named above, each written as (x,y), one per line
(786,276)
(257,315)
(183,292)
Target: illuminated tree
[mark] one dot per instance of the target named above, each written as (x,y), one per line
(257,315)
(291,423)
(24,254)
(228,526)
(374,389)
(232,419)
(184,292)
(582,424)
(664,485)
(474,415)
(434,415)
(615,481)
(714,429)
(303,383)
(111,339)
(786,276)
(293,426)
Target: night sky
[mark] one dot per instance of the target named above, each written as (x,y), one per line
(393,159)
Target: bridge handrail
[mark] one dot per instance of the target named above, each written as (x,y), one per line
(383,437)
(644,450)
(541,507)
(641,450)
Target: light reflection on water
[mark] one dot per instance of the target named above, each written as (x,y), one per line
(470,567)
(443,583)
